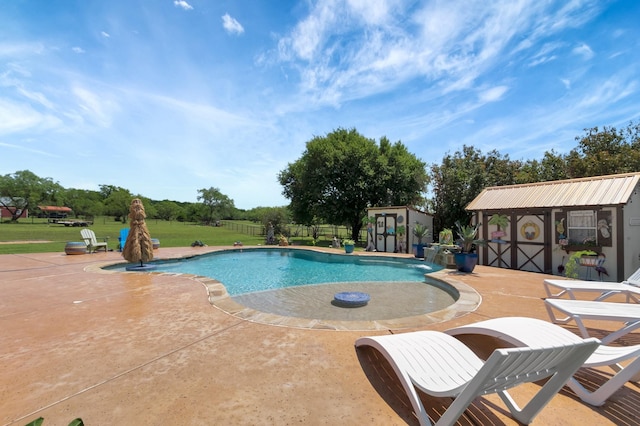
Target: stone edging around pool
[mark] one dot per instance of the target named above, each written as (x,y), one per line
(468,301)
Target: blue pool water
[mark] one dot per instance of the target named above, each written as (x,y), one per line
(251,270)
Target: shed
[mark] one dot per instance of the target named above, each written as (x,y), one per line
(535,227)
(390,229)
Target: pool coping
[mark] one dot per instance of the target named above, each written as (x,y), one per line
(468,301)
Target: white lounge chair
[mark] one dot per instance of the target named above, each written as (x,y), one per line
(580,310)
(92,242)
(630,287)
(442,366)
(532,332)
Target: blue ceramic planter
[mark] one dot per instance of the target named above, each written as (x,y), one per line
(465,262)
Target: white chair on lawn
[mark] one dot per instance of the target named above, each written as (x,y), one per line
(630,288)
(92,242)
(442,366)
(535,333)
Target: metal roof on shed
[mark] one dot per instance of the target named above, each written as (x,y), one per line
(591,191)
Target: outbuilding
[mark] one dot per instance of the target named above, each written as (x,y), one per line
(390,229)
(536,227)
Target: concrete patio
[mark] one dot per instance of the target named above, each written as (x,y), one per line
(131,349)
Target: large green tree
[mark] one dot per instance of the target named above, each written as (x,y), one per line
(343,173)
(168,210)
(605,152)
(117,201)
(24,190)
(215,204)
(84,202)
(461,177)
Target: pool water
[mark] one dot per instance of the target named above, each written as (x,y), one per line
(251,270)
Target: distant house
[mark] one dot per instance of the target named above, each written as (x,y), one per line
(390,229)
(535,227)
(6,213)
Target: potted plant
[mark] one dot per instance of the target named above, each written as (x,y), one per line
(349,245)
(467,259)
(420,231)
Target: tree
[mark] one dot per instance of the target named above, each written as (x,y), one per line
(168,210)
(404,176)
(278,217)
(23,190)
(116,201)
(341,174)
(552,167)
(216,205)
(604,152)
(461,177)
(84,202)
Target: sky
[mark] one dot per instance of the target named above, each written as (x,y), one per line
(167,97)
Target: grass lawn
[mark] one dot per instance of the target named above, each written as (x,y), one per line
(38,236)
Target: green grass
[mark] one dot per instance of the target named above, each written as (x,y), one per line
(170,234)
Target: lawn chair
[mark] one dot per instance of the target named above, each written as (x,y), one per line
(580,310)
(442,366)
(92,242)
(556,288)
(532,332)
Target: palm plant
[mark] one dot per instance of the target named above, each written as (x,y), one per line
(467,235)
(420,231)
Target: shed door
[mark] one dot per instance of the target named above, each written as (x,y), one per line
(386,232)
(531,243)
(523,244)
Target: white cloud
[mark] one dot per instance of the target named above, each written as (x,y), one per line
(105,34)
(231,25)
(494,94)
(584,51)
(183,4)
(77,49)
(95,106)
(18,117)
(27,149)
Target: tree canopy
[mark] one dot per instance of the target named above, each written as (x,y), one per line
(463,175)
(23,190)
(216,205)
(343,173)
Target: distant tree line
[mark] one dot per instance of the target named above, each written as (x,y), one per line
(343,173)
(25,191)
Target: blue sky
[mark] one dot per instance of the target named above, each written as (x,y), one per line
(167,97)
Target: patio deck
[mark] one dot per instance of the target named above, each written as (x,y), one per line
(151,349)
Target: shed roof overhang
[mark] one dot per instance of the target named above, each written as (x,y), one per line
(59,209)
(592,191)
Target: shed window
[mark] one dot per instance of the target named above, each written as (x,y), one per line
(582,227)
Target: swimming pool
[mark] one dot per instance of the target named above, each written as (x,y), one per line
(252,270)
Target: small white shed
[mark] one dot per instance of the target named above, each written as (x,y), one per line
(390,229)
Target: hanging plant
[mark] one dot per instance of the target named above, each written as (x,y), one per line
(571,267)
